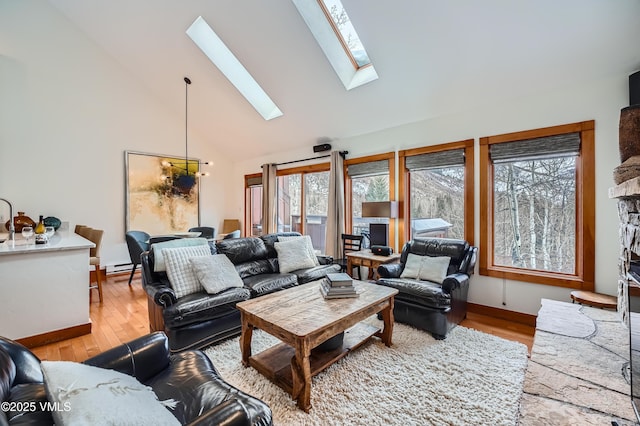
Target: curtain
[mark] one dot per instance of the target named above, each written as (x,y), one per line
(335,210)
(269,200)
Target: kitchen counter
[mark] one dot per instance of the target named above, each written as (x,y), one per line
(44,288)
(59,241)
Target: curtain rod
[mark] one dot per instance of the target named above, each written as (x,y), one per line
(342,154)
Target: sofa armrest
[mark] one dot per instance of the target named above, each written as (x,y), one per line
(142,358)
(162,294)
(156,284)
(455,281)
(325,259)
(230,413)
(390,270)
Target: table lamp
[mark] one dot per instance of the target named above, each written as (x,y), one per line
(379,232)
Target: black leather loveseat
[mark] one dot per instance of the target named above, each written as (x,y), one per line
(200,319)
(432,306)
(188,378)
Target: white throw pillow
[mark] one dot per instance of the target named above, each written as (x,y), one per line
(215,273)
(88,395)
(179,271)
(429,268)
(309,243)
(293,255)
(158,259)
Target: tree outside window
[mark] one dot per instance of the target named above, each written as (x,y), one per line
(438,182)
(537,194)
(303,198)
(535,214)
(437,202)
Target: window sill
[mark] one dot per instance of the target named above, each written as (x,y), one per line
(538,277)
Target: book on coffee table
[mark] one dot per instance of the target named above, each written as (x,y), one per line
(329,292)
(339,279)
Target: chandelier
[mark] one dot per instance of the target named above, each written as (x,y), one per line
(183,173)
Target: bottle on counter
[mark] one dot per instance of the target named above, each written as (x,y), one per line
(41,237)
(40,228)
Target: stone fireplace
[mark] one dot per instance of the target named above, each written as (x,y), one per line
(628,196)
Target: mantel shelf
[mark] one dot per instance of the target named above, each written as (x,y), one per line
(628,188)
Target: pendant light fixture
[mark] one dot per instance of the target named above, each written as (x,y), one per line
(187,177)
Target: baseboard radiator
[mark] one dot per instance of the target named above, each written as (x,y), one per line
(119,268)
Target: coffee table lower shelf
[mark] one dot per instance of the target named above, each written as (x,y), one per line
(275,362)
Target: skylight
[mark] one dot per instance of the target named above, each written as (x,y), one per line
(348,36)
(337,37)
(215,49)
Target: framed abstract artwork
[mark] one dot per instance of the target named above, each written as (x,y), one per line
(162,193)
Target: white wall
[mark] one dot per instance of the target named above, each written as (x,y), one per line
(68,112)
(600,101)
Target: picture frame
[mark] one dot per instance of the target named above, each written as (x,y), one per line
(162,193)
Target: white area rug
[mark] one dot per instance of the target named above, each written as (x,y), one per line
(470,378)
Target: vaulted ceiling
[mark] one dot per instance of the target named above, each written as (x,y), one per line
(433,57)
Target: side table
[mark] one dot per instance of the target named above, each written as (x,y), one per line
(594,299)
(369,260)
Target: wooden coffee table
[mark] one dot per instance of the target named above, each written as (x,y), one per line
(302,319)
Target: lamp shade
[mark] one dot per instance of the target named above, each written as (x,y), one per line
(380,209)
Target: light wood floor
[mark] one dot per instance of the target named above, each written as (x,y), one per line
(123,316)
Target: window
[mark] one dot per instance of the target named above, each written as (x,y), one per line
(303,197)
(368,179)
(316,201)
(253,204)
(538,213)
(439,191)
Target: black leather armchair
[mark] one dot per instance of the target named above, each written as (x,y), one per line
(189,378)
(430,306)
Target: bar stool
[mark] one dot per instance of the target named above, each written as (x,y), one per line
(95,236)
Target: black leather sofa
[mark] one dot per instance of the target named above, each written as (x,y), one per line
(430,306)
(201,319)
(189,378)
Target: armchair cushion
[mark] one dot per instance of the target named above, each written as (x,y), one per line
(215,273)
(92,395)
(424,293)
(429,268)
(181,276)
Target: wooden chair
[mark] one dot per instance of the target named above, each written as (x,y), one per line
(350,243)
(95,236)
(229,226)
